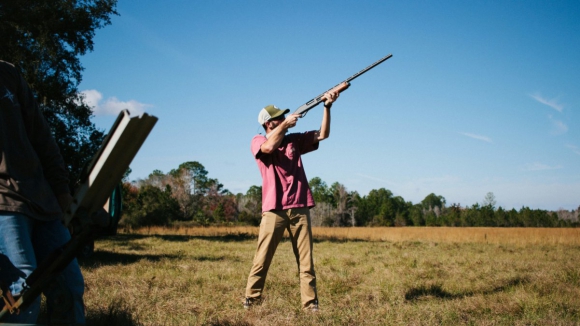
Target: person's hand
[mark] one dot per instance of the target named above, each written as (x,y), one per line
(330,97)
(64,201)
(291,121)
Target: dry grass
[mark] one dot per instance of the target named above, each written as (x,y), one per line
(518,236)
(404,276)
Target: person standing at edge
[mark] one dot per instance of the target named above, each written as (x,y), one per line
(286,197)
(34,192)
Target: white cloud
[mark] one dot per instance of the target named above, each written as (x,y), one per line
(549,102)
(112,105)
(478,137)
(540,167)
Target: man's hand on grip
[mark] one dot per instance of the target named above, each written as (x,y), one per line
(331,96)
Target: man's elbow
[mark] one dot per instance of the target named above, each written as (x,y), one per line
(322,137)
(265,149)
(325,133)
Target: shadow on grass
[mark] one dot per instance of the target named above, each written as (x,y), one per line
(225,322)
(436,291)
(101,258)
(209,258)
(117,314)
(105,258)
(113,258)
(334,239)
(125,238)
(239,237)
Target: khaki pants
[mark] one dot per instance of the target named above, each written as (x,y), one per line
(297,222)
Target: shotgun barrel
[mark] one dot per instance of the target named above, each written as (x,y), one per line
(340,87)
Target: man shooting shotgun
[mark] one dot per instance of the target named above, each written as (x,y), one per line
(286,196)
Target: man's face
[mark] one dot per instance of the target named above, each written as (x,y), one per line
(275,122)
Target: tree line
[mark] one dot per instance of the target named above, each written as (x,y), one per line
(188,196)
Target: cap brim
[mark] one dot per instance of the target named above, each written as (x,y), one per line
(280,113)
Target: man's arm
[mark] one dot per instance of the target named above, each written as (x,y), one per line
(43,142)
(276,136)
(324,132)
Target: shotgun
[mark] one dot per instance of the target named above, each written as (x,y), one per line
(302,110)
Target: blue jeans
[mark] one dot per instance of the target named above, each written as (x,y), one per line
(26,242)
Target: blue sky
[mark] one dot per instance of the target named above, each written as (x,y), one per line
(479,96)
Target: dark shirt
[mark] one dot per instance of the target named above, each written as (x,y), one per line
(32,170)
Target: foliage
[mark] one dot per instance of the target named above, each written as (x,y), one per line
(203,200)
(184,194)
(250,206)
(148,206)
(44,39)
(489,200)
(320,191)
(432,201)
(382,208)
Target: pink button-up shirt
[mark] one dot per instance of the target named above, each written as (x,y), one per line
(284,182)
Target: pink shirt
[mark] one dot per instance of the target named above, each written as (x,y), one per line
(284,182)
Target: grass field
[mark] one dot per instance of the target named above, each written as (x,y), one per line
(366,276)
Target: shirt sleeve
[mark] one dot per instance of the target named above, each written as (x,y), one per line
(306,142)
(42,140)
(256,146)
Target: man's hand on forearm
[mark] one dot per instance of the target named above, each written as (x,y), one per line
(276,135)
